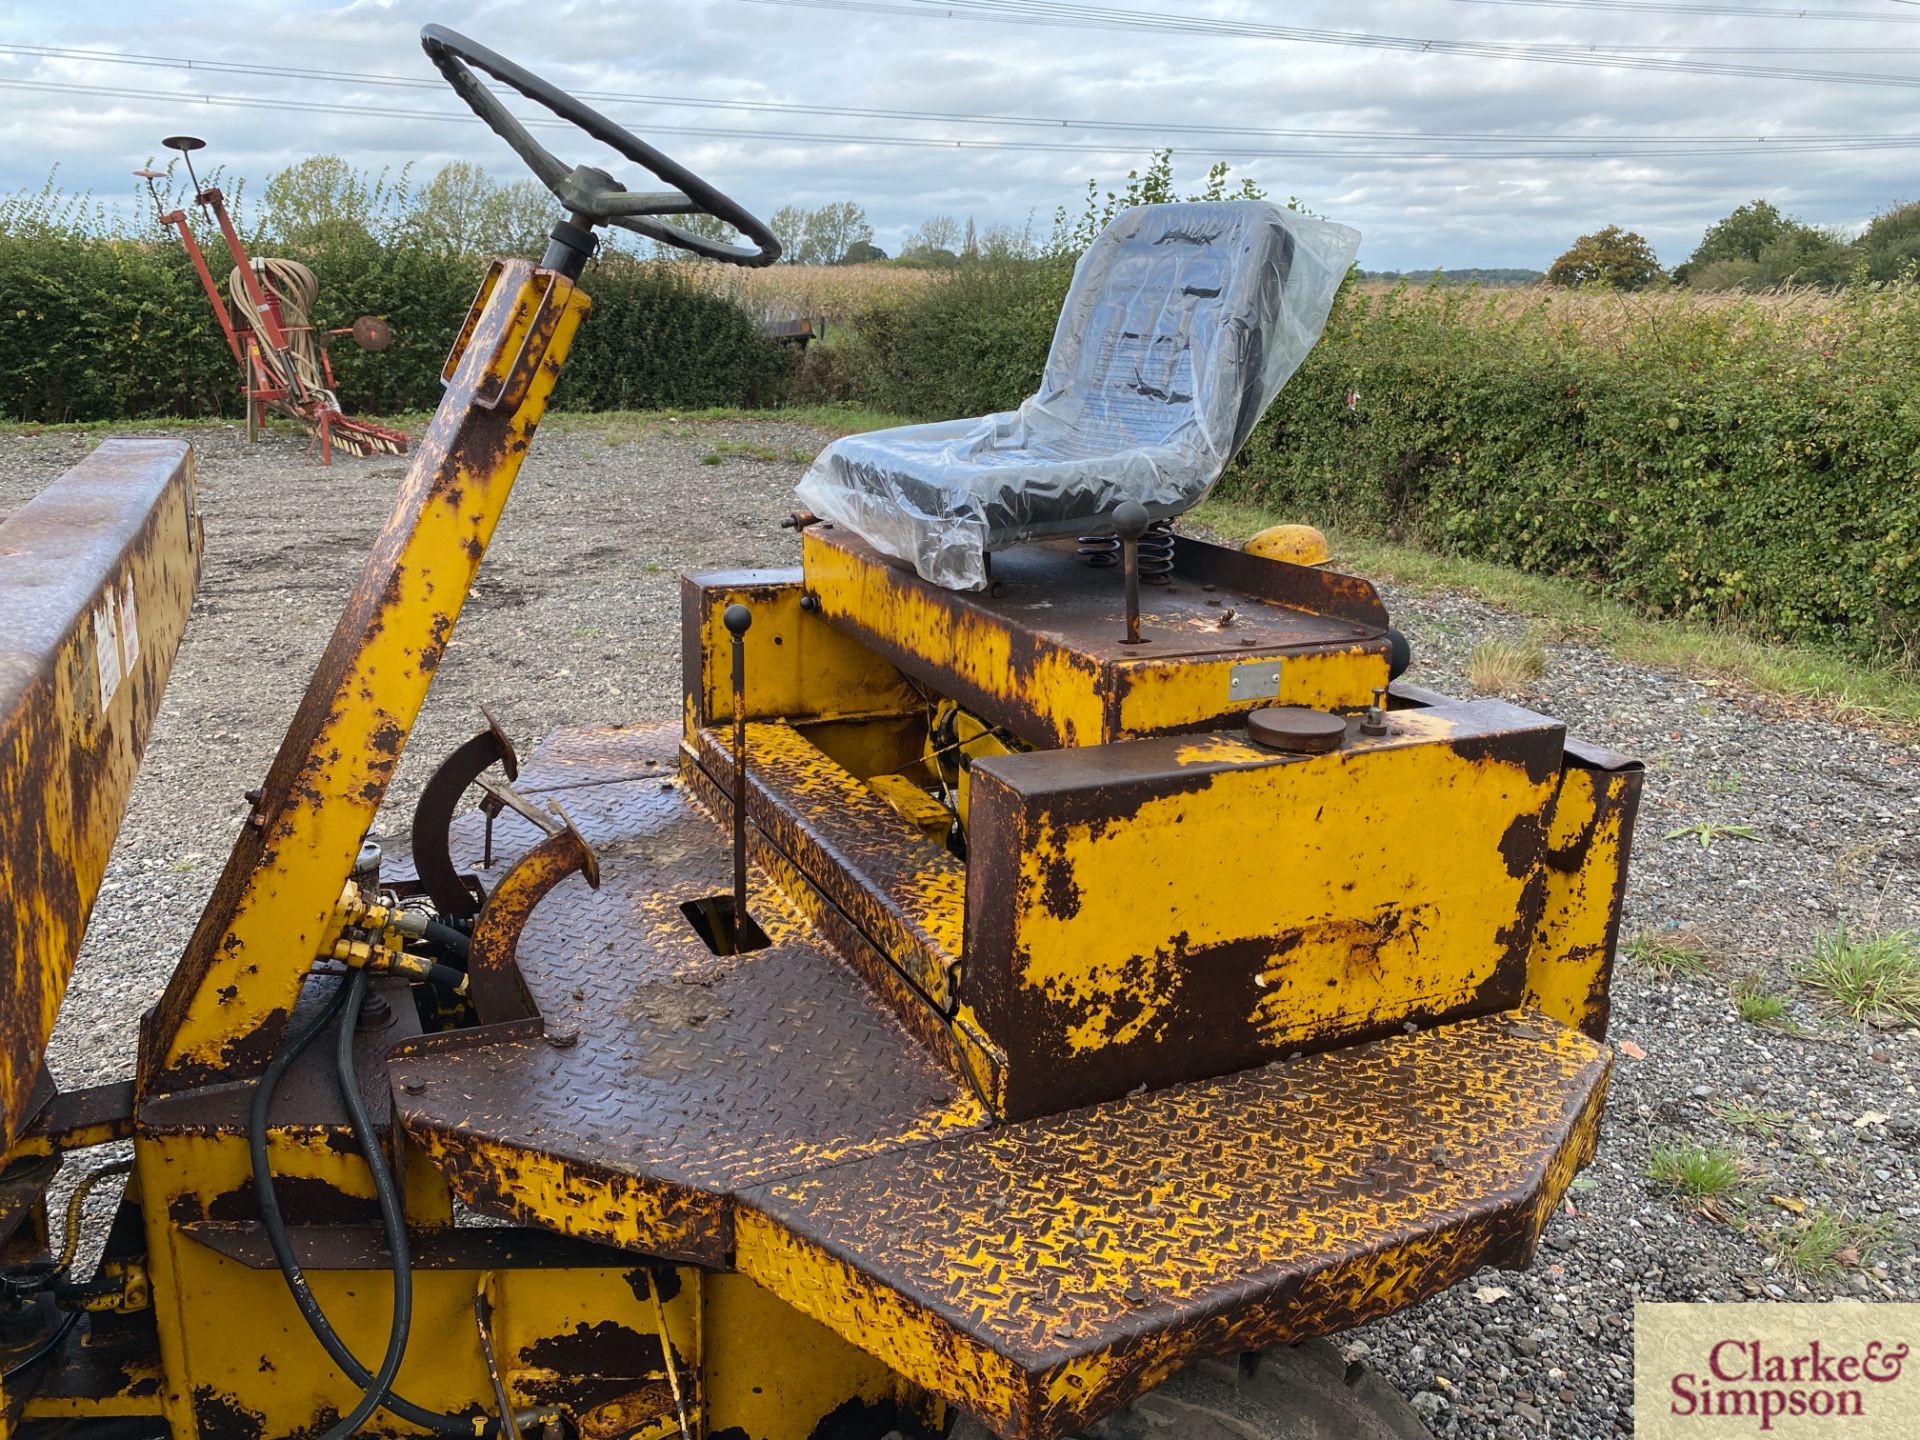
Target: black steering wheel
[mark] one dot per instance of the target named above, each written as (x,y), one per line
(592,196)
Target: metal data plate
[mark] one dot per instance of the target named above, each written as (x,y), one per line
(1254,680)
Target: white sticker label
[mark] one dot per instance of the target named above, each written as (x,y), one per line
(129,626)
(106,650)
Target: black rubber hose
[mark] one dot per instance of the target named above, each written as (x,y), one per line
(454,942)
(41,1351)
(276,1226)
(392,1220)
(446,975)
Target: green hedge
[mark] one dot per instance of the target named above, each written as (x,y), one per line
(105,328)
(972,344)
(1754,461)
(1751,460)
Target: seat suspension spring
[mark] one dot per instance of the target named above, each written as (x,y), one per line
(1156,552)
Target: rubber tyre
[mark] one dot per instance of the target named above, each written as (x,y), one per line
(1291,1392)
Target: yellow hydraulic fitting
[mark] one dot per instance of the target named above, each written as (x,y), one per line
(358,954)
(398,962)
(1294,544)
(394,926)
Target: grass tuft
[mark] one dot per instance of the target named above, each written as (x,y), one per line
(1758,1005)
(1827,1243)
(1697,1172)
(1708,831)
(1667,953)
(1499,667)
(1762,1121)
(1874,977)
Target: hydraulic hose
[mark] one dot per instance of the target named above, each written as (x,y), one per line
(455,942)
(276,1228)
(392,1221)
(41,1351)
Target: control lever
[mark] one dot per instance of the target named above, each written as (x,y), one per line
(738,618)
(1130,522)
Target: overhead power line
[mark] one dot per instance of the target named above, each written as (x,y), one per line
(1048,122)
(1757,146)
(1708,10)
(1091,17)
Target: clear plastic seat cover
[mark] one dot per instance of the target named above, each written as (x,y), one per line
(1180,326)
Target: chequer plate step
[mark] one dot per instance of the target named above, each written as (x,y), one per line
(1043,1273)
(906,894)
(659,1078)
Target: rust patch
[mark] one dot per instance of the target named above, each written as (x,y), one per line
(1523,844)
(1059,892)
(220,1417)
(1043,1273)
(602,1348)
(495,985)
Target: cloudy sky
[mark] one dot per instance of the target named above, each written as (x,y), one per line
(1450,132)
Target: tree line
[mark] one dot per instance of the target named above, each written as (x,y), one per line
(1757,247)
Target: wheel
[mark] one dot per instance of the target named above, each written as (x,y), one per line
(1291,1392)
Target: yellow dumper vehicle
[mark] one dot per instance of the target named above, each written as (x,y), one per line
(1012,986)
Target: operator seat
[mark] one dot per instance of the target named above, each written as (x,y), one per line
(1181,325)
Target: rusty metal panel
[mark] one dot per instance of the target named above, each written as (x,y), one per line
(97,576)
(798,666)
(79,1120)
(1039,1275)
(1043,654)
(225,1007)
(955,1038)
(1584,867)
(771,1373)
(1167,909)
(580,1334)
(660,1078)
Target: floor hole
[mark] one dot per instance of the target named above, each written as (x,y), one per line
(712,920)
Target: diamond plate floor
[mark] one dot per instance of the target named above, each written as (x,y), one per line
(1038,1272)
(766,1112)
(661,1078)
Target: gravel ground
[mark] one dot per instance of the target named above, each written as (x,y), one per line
(574,620)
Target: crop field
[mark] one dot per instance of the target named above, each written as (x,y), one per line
(838,292)
(841,292)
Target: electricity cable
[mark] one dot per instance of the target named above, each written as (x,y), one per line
(1759,146)
(702,102)
(1088,17)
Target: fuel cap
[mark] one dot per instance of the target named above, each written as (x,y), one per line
(1297,728)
